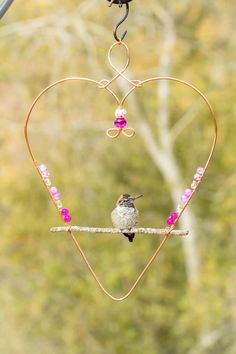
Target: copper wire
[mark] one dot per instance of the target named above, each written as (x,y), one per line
(104,84)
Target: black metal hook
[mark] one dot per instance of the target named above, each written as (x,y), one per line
(120,3)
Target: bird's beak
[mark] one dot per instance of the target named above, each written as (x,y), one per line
(138,196)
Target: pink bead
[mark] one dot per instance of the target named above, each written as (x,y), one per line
(187,192)
(170,221)
(65,212)
(67,218)
(42,168)
(184,198)
(174,216)
(200,170)
(197,177)
(53,190)
(45,174)
(120,122)
(56,196)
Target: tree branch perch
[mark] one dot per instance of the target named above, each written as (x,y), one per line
(140,230)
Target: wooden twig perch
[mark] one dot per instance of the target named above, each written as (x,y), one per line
(99,230)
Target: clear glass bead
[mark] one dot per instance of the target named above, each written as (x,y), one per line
(48,182)
(194,185)
(179,208)
(59,204)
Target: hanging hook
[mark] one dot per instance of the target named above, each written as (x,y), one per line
(120,3)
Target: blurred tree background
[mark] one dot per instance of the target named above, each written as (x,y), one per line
(49,302)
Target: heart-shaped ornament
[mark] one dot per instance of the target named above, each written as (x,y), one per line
(120,128)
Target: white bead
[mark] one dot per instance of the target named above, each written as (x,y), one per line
(120,112)
(45,174)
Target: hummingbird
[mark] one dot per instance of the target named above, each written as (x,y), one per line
(125,215)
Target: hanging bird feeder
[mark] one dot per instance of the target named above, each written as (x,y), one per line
(121,128)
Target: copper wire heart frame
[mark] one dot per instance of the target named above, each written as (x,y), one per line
(112,133)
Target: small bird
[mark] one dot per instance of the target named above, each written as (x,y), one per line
(125,215)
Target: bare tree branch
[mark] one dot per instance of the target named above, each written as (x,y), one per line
(99,230)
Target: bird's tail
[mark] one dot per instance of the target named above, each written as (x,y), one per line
(130,236)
